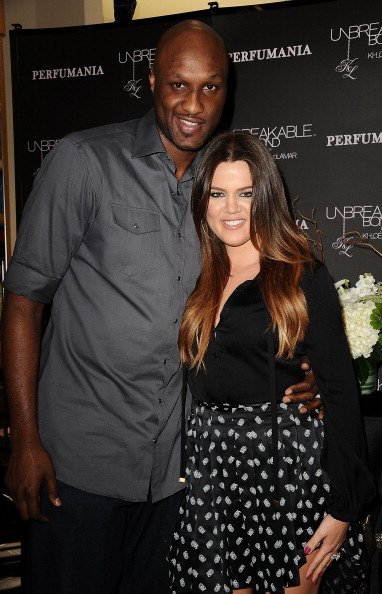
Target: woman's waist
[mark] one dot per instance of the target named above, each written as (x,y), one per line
(251,415)
(245,407)
(233,389)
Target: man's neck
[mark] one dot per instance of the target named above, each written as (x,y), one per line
(182,163)
(182,159)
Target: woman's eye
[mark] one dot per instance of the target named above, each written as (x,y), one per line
(247,194)
(215,194)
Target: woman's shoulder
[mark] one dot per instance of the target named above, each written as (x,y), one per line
(315,274)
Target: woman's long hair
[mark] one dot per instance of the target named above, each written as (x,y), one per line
(283,250)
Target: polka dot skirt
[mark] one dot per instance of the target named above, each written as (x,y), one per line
(232,533)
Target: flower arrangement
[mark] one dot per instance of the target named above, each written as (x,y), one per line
(362,315)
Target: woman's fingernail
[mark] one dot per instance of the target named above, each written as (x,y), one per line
(307,550)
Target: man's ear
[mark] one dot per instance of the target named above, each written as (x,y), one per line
(152,79)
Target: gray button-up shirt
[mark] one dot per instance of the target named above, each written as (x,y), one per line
(107,236)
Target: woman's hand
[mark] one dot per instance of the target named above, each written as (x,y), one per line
(331,533)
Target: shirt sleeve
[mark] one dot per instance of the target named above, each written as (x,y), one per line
(58,213)
(344,452)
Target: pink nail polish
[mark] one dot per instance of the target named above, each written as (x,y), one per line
(307,550)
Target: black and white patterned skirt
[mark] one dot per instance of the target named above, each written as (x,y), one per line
(232,534)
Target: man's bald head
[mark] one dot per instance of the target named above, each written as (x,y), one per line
(189,32)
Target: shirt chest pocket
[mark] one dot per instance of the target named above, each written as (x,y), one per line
(141,237)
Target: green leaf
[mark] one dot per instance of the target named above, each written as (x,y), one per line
(376,355)
(363,367)
(376,317)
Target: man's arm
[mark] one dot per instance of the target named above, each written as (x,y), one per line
(30,464)
(305,391)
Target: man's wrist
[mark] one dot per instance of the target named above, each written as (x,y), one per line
(22,439)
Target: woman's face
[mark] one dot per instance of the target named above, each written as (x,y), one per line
(229,207)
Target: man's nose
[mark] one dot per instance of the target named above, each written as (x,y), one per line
(192,103)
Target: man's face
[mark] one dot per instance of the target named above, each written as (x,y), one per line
(189,86)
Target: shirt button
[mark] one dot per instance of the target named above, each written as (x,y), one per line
(179,235)
(160,400)
(136,225)
(172,193)
(167,158)
(176,321)
(155,440)
(164,361)
(178,193)
(178,278)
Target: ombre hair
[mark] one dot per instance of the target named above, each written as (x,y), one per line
(283,250)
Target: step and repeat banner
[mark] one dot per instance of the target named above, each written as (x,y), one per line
(306,80)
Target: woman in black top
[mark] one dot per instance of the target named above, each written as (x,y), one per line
(271,494)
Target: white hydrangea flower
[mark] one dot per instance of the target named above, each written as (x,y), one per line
(366,285)
(361,336)
(357,304)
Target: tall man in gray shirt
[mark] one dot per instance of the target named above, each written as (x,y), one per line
(107,238)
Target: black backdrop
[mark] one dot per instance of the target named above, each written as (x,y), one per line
(307,80)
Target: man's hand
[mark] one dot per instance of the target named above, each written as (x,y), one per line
(305,391)
(29,466)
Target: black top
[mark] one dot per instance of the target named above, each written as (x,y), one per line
(237,371)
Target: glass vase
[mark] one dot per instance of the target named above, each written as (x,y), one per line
(370,384)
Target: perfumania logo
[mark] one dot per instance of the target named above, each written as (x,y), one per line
(67,72)
(291,51)
(134,85)
(369,216)
(371,32)
(354,139)
(273,135)
(302,224)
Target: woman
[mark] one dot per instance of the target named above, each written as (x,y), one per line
(269,500)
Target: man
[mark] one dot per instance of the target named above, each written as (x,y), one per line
(107,237)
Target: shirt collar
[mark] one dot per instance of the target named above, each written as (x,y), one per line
(147,139)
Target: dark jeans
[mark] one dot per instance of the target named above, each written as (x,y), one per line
(99,545)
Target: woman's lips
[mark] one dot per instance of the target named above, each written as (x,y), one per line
(233,224)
